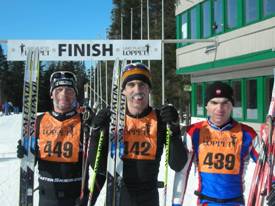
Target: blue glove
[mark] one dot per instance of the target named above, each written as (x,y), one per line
(176,204)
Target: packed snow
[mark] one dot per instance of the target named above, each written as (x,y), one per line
(10,130)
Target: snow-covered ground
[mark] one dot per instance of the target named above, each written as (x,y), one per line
(9,168)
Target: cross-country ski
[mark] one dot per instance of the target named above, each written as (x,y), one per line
(130,103)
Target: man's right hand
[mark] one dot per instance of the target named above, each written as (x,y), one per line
(102,119)
(20,150)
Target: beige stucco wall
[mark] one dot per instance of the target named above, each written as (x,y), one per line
(182,5)
(250,39)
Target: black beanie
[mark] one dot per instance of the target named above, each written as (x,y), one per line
(63,78)
(219,89)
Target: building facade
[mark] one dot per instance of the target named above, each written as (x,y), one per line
(243,54)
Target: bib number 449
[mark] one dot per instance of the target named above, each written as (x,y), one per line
(59,149)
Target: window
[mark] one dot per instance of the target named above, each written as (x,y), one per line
(232,13)
(268,94)
(250,11)
(199,100)
(251,101)
(237,96)
(218,16)
(206,19)
(193,23)
(269,7)
(184,30)
(212,17)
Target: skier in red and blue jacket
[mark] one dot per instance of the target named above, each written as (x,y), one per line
(220,147)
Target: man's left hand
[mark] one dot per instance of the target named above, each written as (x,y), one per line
(169,114)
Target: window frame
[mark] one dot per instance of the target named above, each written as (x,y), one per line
(241,19)
(242,97)
(261,111)
(262,10)
(258,13)
(210,19)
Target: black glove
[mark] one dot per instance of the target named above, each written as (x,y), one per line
(271,196)
(169,115)
(20,150)
(88,115)
(81,201)
(102,119)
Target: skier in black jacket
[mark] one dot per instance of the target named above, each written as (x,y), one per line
(60,145)
(144,140)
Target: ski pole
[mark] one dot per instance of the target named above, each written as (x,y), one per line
(93,177)
(167,146)
(270,157)
(86,116)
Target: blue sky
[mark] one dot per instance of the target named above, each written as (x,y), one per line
(54,19)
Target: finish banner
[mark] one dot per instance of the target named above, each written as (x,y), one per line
(80,50)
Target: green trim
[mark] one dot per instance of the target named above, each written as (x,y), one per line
(260,9)
(210,16)
(264,89)
(222,18)
(241,21)
(240,17)
(198,23)
(260,98)
(178,23)
(188,27)
(247,58)
(241,91)
(202,96)
(265,93)
(244,99)
(203,99)
(257,99)
(194,100)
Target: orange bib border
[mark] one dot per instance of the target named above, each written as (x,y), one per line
(59,140)
(140,137)
(220,151)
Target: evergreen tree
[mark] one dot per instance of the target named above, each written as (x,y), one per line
(3,72)
(14,83)
(11,80)
(173,82)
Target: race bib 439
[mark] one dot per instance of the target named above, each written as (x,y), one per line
(220,151)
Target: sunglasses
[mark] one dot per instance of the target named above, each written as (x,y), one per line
(63,75)
(135,66)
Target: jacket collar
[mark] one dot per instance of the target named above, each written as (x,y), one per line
(226,126)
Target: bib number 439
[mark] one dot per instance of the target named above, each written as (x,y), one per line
(219,161)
